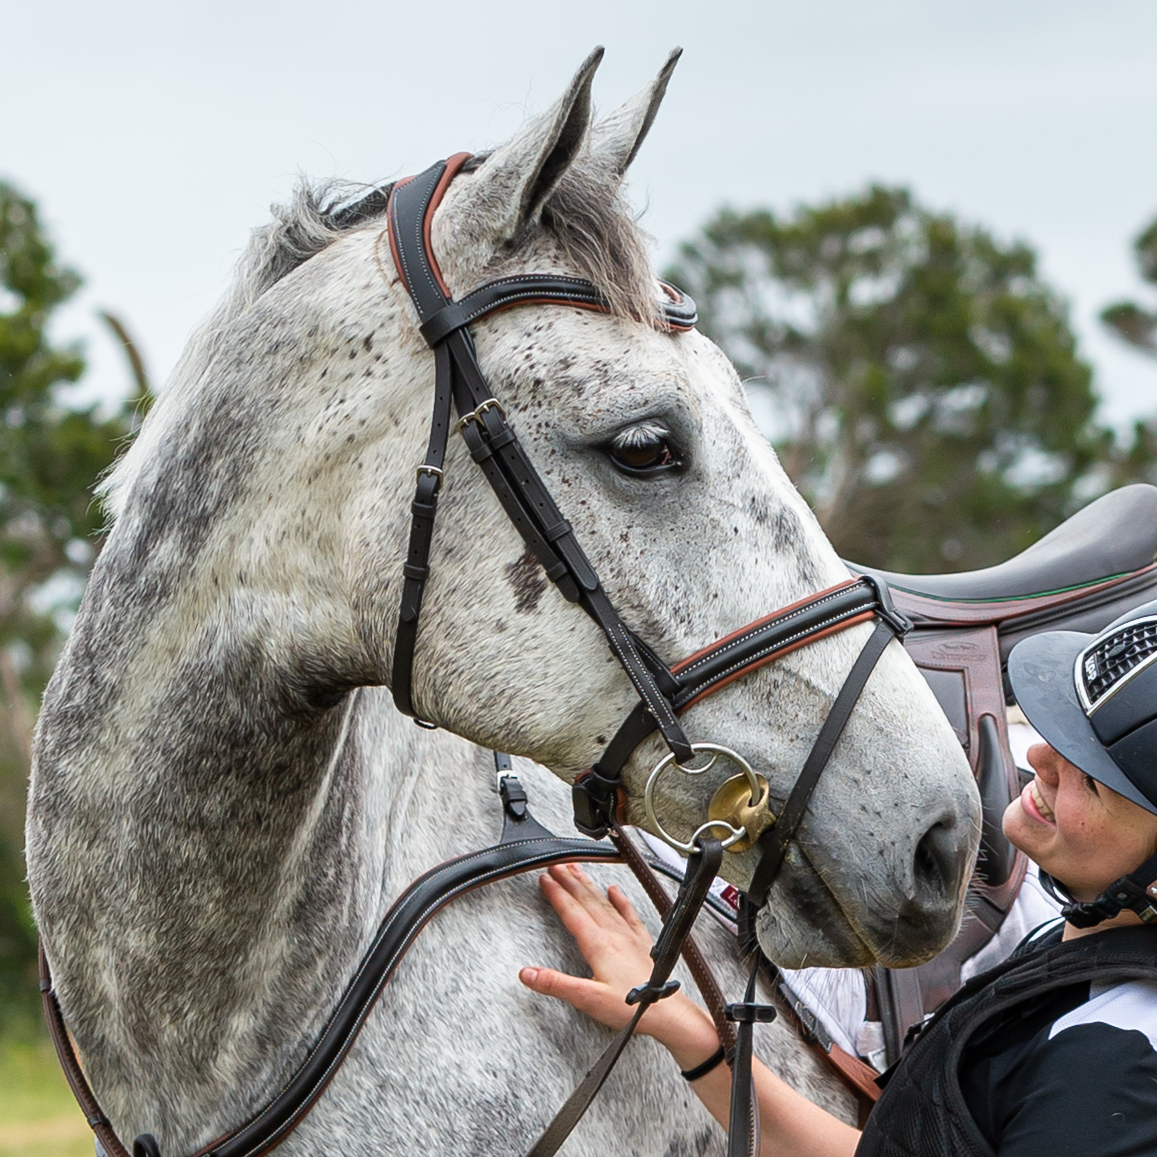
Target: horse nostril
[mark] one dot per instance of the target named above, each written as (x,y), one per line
(938,862)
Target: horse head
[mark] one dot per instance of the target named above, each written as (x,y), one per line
(296,427)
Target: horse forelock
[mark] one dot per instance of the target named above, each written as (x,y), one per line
(600,236)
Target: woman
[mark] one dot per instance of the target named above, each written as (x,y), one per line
(1052,1052)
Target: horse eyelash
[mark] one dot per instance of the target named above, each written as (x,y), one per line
(639,435)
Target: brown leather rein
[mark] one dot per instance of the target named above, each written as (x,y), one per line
(663,692)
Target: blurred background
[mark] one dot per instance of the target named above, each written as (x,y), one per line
(925,232)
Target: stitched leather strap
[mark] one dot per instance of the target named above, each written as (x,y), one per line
(773,843)
(525,846)
(409,914)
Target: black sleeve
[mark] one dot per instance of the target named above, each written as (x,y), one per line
(1091,1091)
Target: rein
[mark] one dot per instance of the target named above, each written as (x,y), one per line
(740,808)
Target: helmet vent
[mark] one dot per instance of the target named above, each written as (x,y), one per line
(1112,660)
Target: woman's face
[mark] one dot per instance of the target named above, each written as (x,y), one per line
(1079,831)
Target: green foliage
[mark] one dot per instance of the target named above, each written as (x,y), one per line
(921,380)
(1128,320)
(38,1116)
(51,452)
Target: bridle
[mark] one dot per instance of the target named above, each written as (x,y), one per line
(663,692)
(493,444)
(740,807)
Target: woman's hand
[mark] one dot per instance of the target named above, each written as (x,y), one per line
(617,948)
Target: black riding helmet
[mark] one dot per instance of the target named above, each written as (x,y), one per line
(1094,699)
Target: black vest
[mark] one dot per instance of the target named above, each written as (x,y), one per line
(922,1112)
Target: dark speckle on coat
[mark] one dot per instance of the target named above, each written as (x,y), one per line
(528,580)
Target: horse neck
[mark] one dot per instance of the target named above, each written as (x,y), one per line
(257,850)
(429,795)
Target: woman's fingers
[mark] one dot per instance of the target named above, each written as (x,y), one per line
(575,915)
(587,996)
(584,890)
(608,931)
(626,909)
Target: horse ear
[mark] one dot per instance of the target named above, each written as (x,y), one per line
(616,138)
(516,180)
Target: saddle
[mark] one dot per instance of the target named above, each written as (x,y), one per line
(1079,577)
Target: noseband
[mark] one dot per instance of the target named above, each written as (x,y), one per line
(664,692)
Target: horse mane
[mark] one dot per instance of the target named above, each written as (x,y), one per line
(586,216)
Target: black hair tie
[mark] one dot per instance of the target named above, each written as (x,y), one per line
(713,1061)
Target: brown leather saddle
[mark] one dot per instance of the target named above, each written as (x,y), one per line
(1090,569)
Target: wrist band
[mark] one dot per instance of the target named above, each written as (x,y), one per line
(713,1061)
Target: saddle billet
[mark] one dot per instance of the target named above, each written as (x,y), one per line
(1089,570)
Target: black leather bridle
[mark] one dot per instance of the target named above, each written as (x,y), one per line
(664,692)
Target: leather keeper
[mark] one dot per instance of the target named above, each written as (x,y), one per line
(502,438)
(742,1013)
(653,993)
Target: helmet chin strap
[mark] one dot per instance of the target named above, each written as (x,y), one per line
(1136,892)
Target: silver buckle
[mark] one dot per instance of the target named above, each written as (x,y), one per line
(425,468)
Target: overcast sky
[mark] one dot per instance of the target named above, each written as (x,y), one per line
(155,135)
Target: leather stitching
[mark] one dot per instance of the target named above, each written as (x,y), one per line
(740,639)
(779,644)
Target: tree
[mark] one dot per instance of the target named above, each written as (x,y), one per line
(1129,321)
(1136,459)
(921,382)
(51,452)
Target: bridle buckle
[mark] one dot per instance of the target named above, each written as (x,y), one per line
(475,415)
(433,471)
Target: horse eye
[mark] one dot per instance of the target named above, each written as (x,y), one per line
(645,449)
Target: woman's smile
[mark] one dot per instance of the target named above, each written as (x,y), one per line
(1080,831)
(1032,800)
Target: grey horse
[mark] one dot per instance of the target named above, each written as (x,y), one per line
(225,801)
